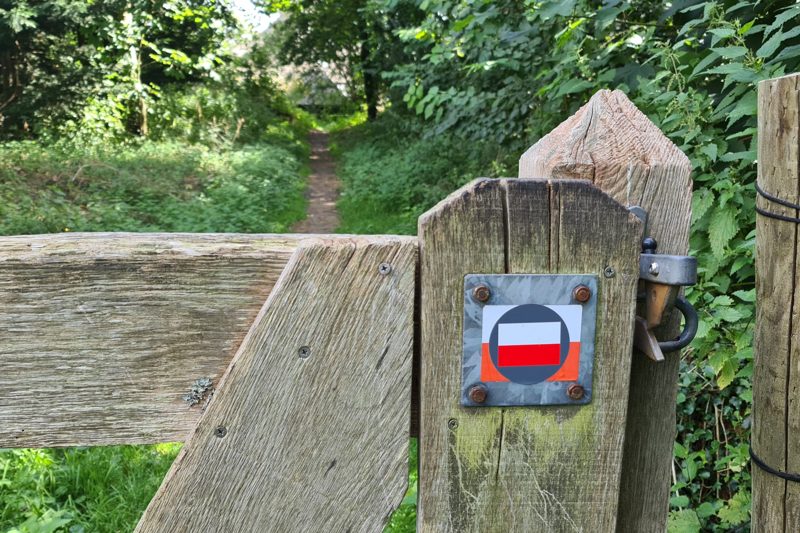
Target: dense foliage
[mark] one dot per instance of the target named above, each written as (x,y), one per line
(355,37)
(102,63)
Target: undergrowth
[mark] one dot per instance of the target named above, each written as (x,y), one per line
(167,186)
(391,173)
(80,489)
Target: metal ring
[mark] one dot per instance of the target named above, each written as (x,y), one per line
(689,328)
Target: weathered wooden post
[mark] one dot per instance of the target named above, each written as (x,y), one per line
(776,378)
(614,145)
(557,467)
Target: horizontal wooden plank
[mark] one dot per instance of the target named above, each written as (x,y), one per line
(103,334)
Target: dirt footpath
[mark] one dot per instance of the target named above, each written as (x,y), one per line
(323,189)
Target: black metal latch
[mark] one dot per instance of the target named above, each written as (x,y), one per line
(661,277)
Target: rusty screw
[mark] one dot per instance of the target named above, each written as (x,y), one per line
(478,393)
(575,391)
(220,431)
(481,293)
(582,293)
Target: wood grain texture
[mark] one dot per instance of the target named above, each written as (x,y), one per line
(101,335)
(552,468)
(614,145)
(315,444)
(776,380)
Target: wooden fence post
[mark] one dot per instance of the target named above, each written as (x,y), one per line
(614,145)
(776,377)
(555,468)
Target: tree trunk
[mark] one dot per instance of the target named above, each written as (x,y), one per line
(368,72)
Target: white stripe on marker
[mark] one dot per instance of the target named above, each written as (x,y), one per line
(529,333)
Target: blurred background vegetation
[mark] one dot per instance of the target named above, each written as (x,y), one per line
(179,116)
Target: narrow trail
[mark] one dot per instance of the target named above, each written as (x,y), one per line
(323,189)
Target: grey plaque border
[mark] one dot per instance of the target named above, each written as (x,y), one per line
(518,289)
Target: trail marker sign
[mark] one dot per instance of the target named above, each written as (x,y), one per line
(527,339)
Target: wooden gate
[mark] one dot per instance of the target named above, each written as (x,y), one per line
(287,363)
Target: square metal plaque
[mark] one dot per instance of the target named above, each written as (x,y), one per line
(528,339)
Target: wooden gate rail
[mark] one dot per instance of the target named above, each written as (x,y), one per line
(102,334)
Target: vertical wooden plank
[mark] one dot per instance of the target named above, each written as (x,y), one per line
(309,431)
(464,233)
(530,468)
(572,455)
(776,381)
(614,145)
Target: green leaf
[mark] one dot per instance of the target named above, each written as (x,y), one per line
(746,296)
(721,229)
(684,521)
(574,85)
(710,150)
(705,509)
(702,200)
(772,44)
(679,501)
(726,374)
(781,19)
(730,68)
(729,314)
(722,300)
(731,52)
(736,510)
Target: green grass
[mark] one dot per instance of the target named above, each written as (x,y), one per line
(103,489)
(149,187)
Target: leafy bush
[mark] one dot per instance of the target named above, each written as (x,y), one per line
(391,175)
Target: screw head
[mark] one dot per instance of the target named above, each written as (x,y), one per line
(481,293)
(384,269)
(478,393)
(575,392)
(220,431)
(609,272)
(304,352)
(582,293)
(653,268)
(452,424)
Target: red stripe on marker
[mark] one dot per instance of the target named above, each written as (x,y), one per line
(529,355)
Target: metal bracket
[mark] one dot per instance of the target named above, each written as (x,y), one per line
(661,277)
(679,270)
